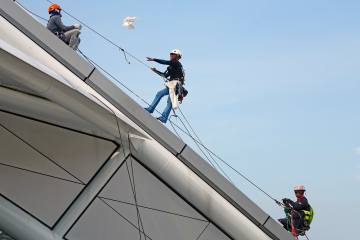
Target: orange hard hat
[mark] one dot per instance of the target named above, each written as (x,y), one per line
(53,7)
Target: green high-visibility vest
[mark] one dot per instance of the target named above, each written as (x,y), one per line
(308,215)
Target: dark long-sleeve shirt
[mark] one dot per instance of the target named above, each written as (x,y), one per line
(56,26)
(300,204)
(174,70)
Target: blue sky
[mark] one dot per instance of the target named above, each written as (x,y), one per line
(274,88)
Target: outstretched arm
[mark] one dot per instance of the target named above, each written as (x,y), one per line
(164,62)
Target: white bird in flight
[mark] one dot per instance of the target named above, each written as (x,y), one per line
(129,22)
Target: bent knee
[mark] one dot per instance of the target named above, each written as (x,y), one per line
(74,32)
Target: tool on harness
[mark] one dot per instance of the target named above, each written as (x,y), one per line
(185,93)
(290,213)
(177,92)
(182,93)
(299,214)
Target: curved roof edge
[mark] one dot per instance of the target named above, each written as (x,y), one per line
(93,77)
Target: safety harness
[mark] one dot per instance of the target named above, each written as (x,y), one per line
(307,215)
(182,92)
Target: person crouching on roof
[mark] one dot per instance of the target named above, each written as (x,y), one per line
(174,72)
(299,213)
(68,34)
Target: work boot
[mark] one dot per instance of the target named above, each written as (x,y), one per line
(161,119)
(149,110)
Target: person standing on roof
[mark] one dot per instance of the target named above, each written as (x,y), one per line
(299,213)
(173,74)
(69,34)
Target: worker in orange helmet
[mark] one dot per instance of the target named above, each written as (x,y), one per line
(299,213)
(69,34)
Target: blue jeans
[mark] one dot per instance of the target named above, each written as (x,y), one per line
(165,115)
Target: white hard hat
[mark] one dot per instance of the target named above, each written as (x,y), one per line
(299,188)
(177,52)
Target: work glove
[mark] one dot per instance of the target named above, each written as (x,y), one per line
(77,26)
(286,201)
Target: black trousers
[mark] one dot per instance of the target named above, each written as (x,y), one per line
(297,218)
(286,223)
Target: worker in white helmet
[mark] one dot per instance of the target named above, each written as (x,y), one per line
(299,213)
(174,72)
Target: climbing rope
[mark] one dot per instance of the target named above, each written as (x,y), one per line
(211,157)
(133,189)
(198,145)
(143,63)
(144,101)
(131,175)
(208,154)
(290,220)
(31,12)
(201,144)
(186,132)
(140,222)
(105,38)
(174,129)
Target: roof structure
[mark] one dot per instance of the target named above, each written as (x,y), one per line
(80,159)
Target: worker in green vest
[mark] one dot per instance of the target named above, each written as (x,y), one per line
(299,213)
